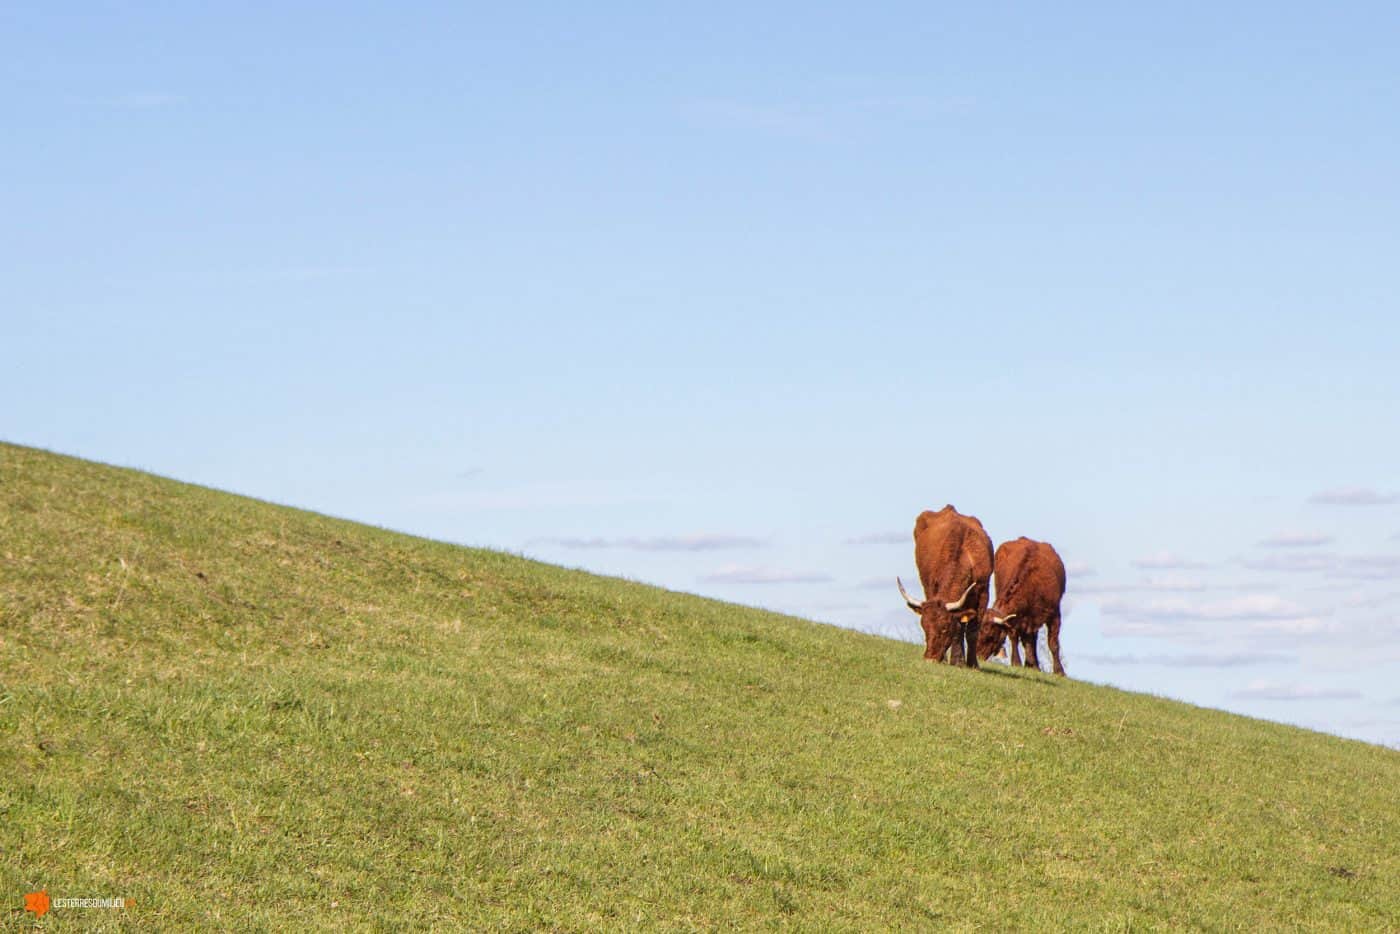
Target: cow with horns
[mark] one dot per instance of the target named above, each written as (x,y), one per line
(954,556)
(1030,584)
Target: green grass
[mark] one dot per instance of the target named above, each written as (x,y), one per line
(247,716)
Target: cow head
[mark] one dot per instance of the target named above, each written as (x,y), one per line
(992,635)
(942,622)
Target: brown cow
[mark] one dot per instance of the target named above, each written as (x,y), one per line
(1030,583)
(954,556)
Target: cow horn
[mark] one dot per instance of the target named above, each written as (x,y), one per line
(958,605)
(1001,620)
(916,607)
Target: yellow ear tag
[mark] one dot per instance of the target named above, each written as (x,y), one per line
(967,617)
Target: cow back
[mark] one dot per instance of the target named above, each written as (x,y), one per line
(1030,578)
(951,552)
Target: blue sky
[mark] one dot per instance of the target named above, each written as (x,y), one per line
(721,298)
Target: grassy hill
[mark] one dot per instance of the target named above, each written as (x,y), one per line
(245,715)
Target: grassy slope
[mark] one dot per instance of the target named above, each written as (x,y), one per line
(243,714)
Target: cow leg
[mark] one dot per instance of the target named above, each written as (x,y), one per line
(956,653)
(1014,639)
(970,633)
(1052,630)
(1028,646)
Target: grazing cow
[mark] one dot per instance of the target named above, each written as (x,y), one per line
(1030,582)
(954,556)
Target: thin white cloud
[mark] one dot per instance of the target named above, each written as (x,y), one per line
(701,542)
(1362,601)
(1149,628)
(741,574)
(538,496)
(1368,567)
(1166,583)
(1080,569)
(316,273)
(1345,567)
(1302,626)
(1291,563)
(834,117)
(1254,606)
(1285,691)
(912,106)
(1353,496)
(1195,659)
(1296,540)
(877,583)
(1166,561)
(785,121)
(145,101)
(881,538)
(1179,617)
(1260,608)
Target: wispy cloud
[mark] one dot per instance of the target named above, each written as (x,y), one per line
(836,607)
(876,583)
(881,538)
(1284,691)
(1296,540)
(1364,601)
(1353,496)
(912,106)
(1255,606)
(1195,660)
(1291,563)
(469,473)
(838,116)
(1166,583)
(536,496)
(701,542)
(1368,567)
(1343,567)
(145,100)
(1174,616)
(316,273)
(1166,561)
(1080,569)
(1295,626)
(739,574)
(790,121)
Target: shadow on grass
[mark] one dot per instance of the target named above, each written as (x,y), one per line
(1020,674)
